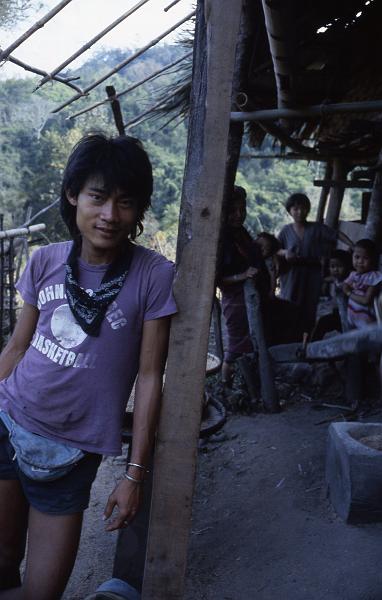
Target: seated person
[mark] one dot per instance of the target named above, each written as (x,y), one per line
(283,316)
(339,269)
(362,284)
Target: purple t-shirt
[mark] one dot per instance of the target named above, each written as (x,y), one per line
(70,386)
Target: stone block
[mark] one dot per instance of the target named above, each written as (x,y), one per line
(354,471)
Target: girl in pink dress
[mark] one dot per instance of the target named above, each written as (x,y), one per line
(362,284)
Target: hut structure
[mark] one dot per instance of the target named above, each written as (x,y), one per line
(307,74)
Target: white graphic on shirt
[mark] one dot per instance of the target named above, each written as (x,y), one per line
(65,328)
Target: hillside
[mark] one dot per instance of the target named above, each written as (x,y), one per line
(35,144)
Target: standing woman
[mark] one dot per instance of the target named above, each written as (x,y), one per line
(95,317)
(303,244)
(241,259)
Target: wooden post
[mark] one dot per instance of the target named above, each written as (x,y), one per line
(176,449)
(373,228)
(256,329)
(116,108)
(324,194)
(336,193)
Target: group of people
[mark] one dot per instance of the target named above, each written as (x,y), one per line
(95,319)
(295,263)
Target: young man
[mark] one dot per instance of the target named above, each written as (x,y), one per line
(96,316)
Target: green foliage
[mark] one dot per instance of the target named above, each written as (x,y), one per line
(13,10)
(35,143)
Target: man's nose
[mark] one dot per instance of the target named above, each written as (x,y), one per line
(109,210)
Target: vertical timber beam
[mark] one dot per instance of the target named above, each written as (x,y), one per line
(373,229)
(340,171)
(324,194)
(217,27)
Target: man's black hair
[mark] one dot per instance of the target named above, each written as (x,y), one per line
(121,162)
(344,257)
(371,249)
(297,200)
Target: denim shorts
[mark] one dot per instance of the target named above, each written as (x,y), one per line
(65,496)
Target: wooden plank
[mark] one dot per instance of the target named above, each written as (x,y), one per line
(256,329)
(308,112)
(346,184)
(352,342)
(336,193)
(176,449)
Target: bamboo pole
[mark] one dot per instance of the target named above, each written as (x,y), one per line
(8,234)
(309,112)
(279,35)
(125,62)
(132,87)
(171,5)
(176,449)
(38,25)
(336,195)
(65,80)
(91,42)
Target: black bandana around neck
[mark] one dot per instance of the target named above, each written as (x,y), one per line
(89,311)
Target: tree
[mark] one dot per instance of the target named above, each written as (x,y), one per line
(13,10)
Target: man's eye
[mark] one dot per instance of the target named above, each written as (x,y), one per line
(126,203)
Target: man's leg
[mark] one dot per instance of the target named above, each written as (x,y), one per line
(13,528)
(52,548)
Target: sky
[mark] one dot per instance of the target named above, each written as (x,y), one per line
(81,20)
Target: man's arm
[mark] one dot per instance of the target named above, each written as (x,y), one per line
(19,341)
(127,495)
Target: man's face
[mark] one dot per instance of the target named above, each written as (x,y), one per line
(104,218)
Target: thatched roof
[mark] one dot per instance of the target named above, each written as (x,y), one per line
(305,53)
(332,51)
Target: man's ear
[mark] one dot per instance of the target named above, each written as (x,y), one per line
(71,199)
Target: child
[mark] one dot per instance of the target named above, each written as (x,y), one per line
(339,269)
(95,315)
(362,284)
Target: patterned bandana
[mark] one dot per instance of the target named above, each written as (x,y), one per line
(89,311)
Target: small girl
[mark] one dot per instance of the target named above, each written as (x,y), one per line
(362,284)
(339,269)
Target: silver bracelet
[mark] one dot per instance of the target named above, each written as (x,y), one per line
(134,479)
(138,466)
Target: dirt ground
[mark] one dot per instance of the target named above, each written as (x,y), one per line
(263,528)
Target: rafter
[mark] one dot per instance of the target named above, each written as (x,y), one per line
(124,63)
(90,43)
(38,25)
(65,80)
(132,87)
